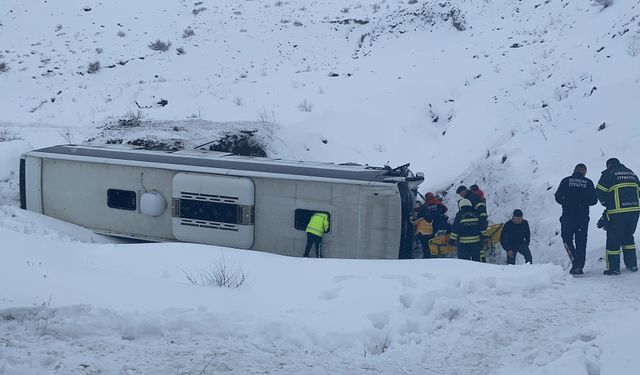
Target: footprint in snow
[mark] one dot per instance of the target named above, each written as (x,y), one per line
(341,278)
(406,300)
(379,320)
(330,294)
(404,280)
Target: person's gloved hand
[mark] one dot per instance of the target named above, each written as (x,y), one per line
(603,222)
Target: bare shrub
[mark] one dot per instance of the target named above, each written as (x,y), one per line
(604,3)
(412,2)
(457,19)
(378,347)
(560,94)
(66,134)
(188,33)
(198,11)
(159,45)
(344,10)
(238,101)
(4,67)
(58,28)
(180,51)
(93,67)
(634,47)
(305,106)
(375,7)
(265,116)
(131,119)
(219,274)
(297,23)
(121,34)
(7,135)
(99,50)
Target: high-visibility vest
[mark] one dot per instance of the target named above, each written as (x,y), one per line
(424,227)
(318,224)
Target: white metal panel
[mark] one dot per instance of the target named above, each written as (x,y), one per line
(216,189)
(33,183)
(76,192)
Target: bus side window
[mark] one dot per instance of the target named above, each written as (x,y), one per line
(121,199)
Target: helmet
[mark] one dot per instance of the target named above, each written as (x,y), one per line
(464,203)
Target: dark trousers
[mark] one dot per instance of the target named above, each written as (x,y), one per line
(424,242)
(575,228)
(524,250)
(312,239)
(470,251)
(620,234)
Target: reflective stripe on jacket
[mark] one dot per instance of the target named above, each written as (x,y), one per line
(618,190)
(318,224)
(467,227)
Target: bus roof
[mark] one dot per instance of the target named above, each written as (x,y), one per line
(221,160)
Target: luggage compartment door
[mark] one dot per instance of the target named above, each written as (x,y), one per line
(216,210)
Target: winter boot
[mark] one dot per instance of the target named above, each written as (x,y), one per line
(611,272)
(633,268)
(576,271)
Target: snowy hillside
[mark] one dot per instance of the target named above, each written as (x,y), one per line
(504,93)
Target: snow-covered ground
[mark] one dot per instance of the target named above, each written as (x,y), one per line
(512,102)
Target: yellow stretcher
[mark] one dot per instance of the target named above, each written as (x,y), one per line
(440,248)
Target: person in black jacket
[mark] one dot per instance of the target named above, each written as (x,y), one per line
(434,211)
(515,238)
(576,193)
(467,233)
(618,190)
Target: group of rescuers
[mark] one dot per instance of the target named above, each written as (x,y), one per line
(469,230)
(618,190)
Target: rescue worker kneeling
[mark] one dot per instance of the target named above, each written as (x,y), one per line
(467,234)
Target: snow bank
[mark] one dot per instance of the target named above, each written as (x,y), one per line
(139,295)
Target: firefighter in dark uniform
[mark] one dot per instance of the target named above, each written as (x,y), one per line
(481,209)
(576,193)
(467,232)
(618,190)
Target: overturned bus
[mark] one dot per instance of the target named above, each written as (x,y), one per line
(223,199)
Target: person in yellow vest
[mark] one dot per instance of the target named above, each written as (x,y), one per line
(317,227)
(424,232)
